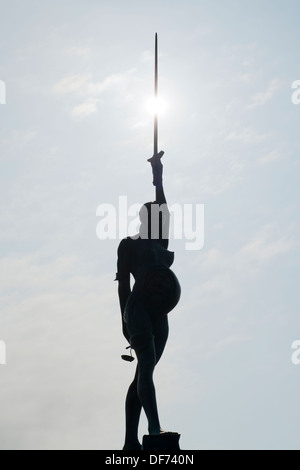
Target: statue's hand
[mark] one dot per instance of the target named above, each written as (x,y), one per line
(156,158)
(157,169)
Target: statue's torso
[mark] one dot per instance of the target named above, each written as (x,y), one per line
(147,254)
(156,286)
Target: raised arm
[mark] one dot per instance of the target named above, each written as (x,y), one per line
(157,170)
(160,198)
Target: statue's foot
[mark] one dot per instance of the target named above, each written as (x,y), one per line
(163,433)
(132,446)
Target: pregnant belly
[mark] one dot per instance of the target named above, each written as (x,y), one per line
(161,291)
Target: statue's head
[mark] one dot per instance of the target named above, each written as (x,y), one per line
(153,217)
(149,228)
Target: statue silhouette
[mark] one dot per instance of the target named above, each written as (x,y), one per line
(144,309)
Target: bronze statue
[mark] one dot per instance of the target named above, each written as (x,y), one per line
(144,309)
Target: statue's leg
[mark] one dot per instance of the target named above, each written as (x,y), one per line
(145,386)
(149,346)
(148,337)
(160,328)
(139,327)
(133,409)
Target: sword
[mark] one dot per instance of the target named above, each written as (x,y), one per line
(155,153)
(155,96)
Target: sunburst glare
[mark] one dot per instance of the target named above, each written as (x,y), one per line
(156,106)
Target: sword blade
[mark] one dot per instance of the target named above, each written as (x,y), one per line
(155,96)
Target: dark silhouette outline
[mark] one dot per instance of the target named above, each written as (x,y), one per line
(144,309)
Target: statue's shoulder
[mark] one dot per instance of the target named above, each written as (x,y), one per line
(126,244)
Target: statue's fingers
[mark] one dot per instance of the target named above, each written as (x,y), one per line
(158,156)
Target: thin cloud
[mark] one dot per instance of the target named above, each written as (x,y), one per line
(246,136)
(85,109)
(264,247)
(19,138)
(80,51)
(57,321)
(260,99)
(71,83)
(82,86)
(273,156)
(147,56)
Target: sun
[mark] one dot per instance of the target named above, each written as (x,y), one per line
(156,106)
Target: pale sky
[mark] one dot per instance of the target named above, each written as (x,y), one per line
(75,133)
